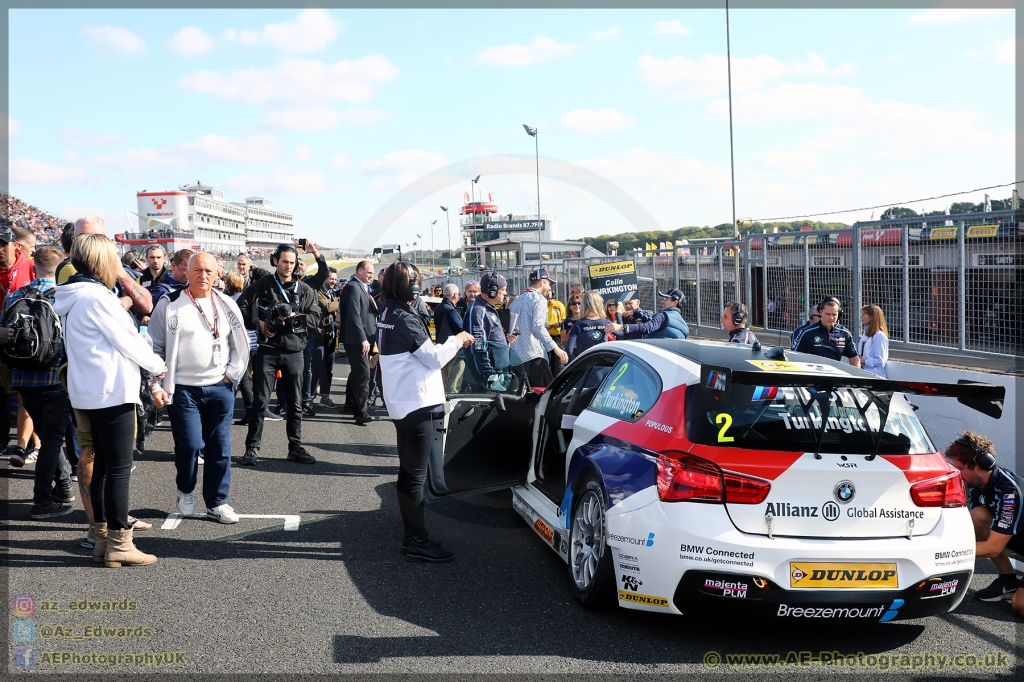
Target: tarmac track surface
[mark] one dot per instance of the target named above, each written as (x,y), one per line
(334,596)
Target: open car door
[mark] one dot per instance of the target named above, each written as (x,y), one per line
(485,440)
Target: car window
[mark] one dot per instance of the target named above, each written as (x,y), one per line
(629,391)
(788,418)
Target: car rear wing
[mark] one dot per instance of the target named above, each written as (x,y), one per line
(979,396)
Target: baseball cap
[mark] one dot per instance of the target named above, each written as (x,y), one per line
(538,275)
(492,278)
(672,293)
(6,233)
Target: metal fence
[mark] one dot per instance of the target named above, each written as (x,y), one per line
(943,282)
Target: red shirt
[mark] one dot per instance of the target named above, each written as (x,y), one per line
(16,276)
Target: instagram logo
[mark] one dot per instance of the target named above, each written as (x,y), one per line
(23,605)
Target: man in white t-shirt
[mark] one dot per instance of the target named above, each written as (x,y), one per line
(198,332)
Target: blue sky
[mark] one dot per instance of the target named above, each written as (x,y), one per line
(330,113)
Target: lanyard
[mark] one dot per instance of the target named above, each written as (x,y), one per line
(214,328)
(287,298)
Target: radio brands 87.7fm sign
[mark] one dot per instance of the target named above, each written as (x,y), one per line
(614,281)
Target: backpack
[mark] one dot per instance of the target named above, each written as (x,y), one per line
(37,339)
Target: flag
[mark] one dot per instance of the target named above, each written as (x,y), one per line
(988,204)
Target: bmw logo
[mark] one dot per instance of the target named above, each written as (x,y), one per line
(844,492)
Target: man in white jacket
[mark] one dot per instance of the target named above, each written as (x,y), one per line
(199,333)
(534,343)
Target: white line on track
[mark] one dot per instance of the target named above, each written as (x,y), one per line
(291,521)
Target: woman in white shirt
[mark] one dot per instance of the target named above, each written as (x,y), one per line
(873,347)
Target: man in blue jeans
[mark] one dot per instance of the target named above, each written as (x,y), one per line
(46,402)
(198,332)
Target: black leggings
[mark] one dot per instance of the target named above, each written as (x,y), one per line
(414,437)
(113,435)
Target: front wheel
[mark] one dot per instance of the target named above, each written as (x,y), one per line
(591,573)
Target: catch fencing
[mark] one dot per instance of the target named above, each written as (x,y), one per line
(950,283)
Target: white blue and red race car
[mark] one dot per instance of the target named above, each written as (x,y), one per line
(680,476)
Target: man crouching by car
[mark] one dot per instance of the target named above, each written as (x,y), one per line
(995,500)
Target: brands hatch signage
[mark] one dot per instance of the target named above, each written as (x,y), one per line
(509,226)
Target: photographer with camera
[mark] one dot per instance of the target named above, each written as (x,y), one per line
(283,310)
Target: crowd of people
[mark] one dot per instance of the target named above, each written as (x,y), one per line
(45,227)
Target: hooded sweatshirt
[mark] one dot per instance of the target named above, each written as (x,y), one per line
(104,349)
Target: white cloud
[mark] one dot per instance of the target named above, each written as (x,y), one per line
(71,156)
(302,153)
(605,34)
(78,136)
(952,16)
(72,213)
(31,172)
(312,30)
(214,148)
(780,158)
(297,82)
(282,180)
(12,128)
(113,39)
(541,49)
(1003,52)
(341,161)
(397,169)
(671,29)
(589,121)
(318,119)
(190,41)
(682,79)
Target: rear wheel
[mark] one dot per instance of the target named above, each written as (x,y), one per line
(591,573)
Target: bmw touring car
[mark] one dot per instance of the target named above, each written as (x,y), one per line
(679,476)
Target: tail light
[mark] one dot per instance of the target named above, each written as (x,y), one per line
(687,478)
(945,491)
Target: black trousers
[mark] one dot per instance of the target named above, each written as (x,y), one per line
(113,435)
(357,390)
(245,386)
(5,416)
(265,364)
(50,411)
(413,436)
(538,371)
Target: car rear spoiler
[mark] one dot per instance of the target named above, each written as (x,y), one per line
(982,397)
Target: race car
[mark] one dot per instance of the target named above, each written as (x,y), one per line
(680,476)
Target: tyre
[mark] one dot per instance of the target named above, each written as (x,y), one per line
(591,569)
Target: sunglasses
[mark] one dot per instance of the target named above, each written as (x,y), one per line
(574,303)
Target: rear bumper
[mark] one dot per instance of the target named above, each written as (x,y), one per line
(751,595)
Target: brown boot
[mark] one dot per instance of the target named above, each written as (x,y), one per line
(99,549)
(120,550)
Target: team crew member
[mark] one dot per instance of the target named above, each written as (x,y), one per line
(668,324)
(589,331)
(812,320)
(734,320)
(45,401)
(410,366)
(535,343)
(491,355)
(199,333)
(828,338)
(995,495)
(156,266)
(266,307)
(105,353)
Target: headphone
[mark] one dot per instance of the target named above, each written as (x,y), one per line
(830,300)
(413,290)
(492,285)
(985,460)
(739,314)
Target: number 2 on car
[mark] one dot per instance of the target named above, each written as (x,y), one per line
(725,419)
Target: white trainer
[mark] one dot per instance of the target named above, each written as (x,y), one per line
(201,460)
(187,503)
(224,513)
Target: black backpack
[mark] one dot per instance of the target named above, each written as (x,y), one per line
(37,339)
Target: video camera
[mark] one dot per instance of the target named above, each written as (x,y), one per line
(279,319)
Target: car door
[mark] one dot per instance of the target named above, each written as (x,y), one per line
(484,441)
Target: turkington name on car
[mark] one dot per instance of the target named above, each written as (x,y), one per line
(713,551)
(787,509)
(619,403)
(846,424)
